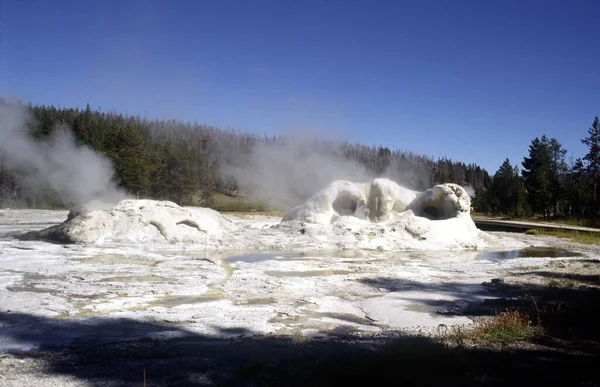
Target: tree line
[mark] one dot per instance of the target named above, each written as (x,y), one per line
(185,162)
(545,184)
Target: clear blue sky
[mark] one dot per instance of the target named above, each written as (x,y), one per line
(474,81)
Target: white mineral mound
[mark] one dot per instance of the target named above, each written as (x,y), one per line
(339,198)
(378,216)
(385,197)
(361,200)
(444,201)
(140,221)
(393,217)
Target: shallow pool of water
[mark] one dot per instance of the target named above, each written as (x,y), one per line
(530,252)
(261,257)
(172,301)
(307,273)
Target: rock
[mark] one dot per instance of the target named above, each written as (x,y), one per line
(381,201)
(340,198)
(386,196)
(138,221)
(436,218)
(441,202)
(375,201)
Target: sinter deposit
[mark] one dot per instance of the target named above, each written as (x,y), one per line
(140,221)
(344,215)
(436,218)
(381,201)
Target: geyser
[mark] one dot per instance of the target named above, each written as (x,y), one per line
(139,221)
(386,196)
(380,201)
(344,215)
(339,198)
(441,202)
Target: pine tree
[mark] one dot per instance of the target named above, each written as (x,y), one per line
(128,152)
(508,189)
(501,186)
(558,171)
(577,190)
(592,159)
(537,174)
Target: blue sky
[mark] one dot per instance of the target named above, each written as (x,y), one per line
(474,81)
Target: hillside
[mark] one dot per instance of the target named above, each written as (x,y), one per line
(190,163)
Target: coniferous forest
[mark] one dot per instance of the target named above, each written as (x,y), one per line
(545,185)
(185,162)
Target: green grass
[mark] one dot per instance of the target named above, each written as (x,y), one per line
(558,220)
(503,329)
(589,238)
(222,202)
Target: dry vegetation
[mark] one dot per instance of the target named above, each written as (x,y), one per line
(503,329)
(589,238)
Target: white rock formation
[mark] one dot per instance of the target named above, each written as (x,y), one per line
(381,201)
(140,221)
(444,201)
(340,198)
(337,217)
(362,200)
(399,218)
(386,196)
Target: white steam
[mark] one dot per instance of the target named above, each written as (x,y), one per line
(76,173)
(285,175)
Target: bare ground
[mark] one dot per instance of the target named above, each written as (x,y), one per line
(562,297)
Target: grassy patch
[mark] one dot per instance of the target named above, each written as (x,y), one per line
(253,212)
(503,329)
(222,202)
(562,283)
(589,238)
(560,221)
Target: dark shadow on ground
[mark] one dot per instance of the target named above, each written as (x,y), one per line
(565,305)
(93,349)
(113,351)
(469,298)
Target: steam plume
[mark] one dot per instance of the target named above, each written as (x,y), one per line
(284,175)
(76,173)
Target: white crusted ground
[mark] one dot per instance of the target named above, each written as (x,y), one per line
(295,288)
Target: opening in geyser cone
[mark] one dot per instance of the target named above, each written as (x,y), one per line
(442,202)
(345,205)
(432,213)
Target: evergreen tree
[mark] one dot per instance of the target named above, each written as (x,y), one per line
(592,159)
(508,189)
(502,186)
(577,191)
(537,174)
(127,149)
(558,171)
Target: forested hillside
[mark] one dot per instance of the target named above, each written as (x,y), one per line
(188,163)
(546,185)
